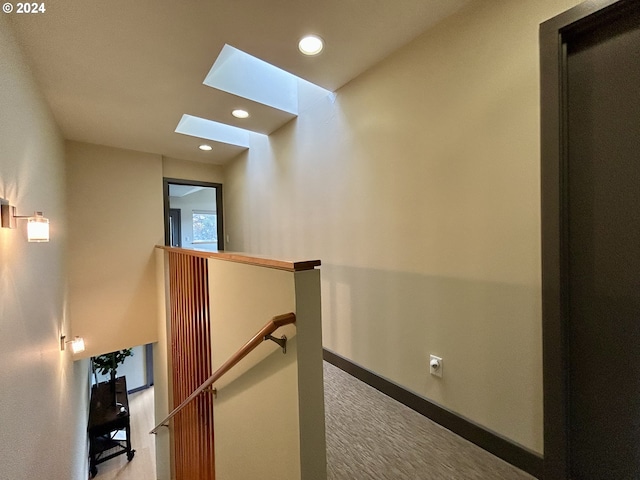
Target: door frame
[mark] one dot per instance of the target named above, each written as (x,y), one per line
(177,223)
(554,35)
(219,205)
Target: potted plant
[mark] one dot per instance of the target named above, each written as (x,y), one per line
(107,364)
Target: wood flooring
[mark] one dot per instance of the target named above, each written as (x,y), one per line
(143,464)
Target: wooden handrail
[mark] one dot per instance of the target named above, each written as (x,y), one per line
(257,260)
(271,326)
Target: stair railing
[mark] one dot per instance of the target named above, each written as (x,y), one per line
(265,333)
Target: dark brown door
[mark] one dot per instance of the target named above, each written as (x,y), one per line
(175,227)
(599,247)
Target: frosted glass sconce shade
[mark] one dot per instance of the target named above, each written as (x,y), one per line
(38,228)
(77,344)
(37,225)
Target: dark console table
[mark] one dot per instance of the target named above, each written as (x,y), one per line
(105,420)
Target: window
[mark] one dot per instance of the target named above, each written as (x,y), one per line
(205,227)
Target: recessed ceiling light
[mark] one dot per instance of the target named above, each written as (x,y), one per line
(239,113)
(205,147)
(311,45)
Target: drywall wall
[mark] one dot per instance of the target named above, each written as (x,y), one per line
(267,388)
(262,390)
(44,393)
(115,206)
(417,184)
(188,170)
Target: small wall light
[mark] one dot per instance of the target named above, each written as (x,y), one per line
(77,344)
(37,226)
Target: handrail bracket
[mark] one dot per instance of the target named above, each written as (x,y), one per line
(263,334)
(211,390)
(282,341)
(155,430)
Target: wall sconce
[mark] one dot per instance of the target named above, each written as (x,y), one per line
(77,344)
(37,225)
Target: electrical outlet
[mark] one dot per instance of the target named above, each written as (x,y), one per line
(435,366)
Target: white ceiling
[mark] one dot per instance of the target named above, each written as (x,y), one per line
(123,72)
(183,190)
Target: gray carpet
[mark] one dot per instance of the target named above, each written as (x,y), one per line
(371,436)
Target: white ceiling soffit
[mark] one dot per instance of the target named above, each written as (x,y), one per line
(185,147)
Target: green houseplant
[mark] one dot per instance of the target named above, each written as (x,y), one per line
(107,364)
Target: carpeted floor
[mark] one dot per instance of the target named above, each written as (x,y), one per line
(371,436)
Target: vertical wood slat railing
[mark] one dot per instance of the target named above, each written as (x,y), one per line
(191,359)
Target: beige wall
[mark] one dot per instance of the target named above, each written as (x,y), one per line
(187,170)
(43,393)
(417,184)
(270,404)
(116,219)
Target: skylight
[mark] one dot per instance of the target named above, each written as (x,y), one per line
(215,131)
(244,75)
